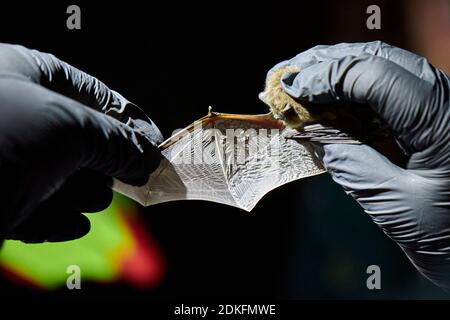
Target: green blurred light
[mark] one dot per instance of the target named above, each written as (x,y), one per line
(97,254)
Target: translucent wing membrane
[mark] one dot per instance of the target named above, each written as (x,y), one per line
(229,159)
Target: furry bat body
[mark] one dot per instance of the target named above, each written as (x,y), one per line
(337,123)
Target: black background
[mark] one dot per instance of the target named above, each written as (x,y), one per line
(176,60)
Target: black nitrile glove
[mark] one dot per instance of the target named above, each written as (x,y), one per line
(63,135)
(411,204)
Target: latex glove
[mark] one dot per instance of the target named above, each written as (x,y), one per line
(410,204)
(59,146)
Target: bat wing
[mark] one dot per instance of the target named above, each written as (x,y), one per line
(229,159)
(319,133)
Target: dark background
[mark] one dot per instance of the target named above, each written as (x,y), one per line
(304,240)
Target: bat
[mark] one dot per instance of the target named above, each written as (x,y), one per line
(236,159)
(230,159)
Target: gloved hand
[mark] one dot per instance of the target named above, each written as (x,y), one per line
(410,204)
(63,135)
